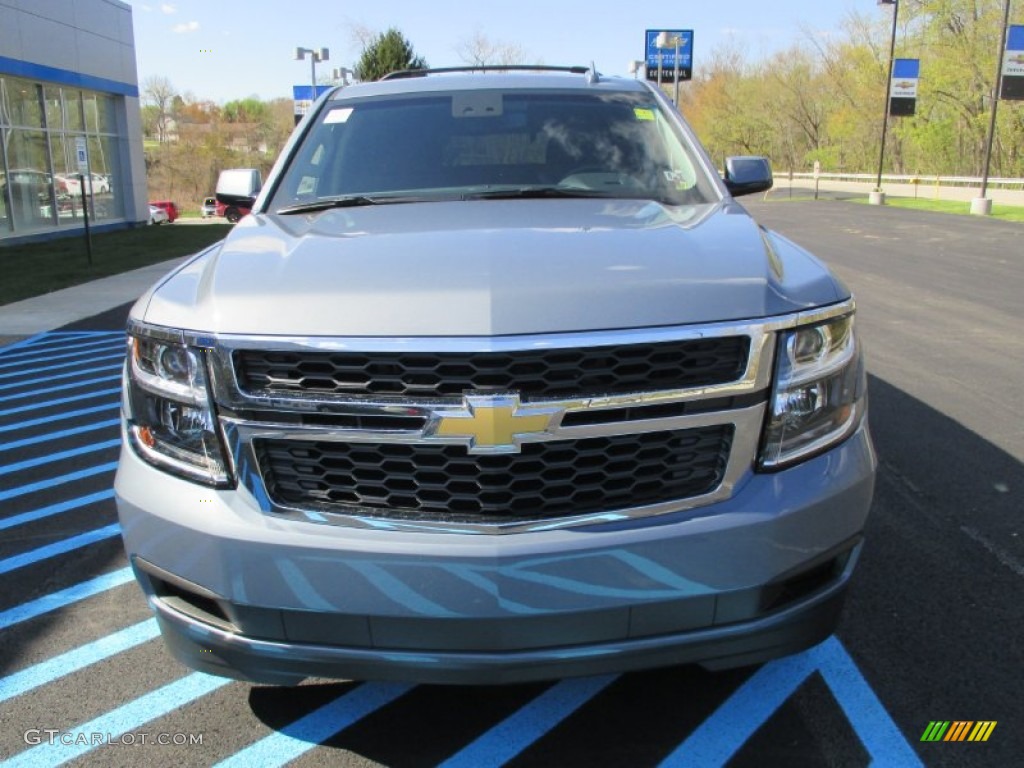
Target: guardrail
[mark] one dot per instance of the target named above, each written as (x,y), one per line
(870,178)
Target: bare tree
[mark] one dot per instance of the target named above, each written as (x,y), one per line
(480,51)
(159,95)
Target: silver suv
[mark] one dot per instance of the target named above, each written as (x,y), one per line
(497,383)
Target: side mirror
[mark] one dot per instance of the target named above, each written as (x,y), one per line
(746,175)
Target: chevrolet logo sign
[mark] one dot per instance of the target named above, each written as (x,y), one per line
(493,423)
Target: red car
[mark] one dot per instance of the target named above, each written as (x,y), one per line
(169,206)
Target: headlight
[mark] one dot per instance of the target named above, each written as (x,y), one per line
(167,405)
(818,395)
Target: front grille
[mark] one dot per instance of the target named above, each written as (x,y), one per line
(444,483)
(542,373)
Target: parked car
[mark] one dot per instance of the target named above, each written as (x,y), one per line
(497,382)
(209,207)
(28,186)
(157,215)
(94,184)
(169,207)
(100,183)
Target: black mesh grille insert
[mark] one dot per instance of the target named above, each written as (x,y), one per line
(584,371)
(546,480)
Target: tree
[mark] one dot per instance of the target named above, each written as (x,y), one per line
(158,95)
(479,51)
(388,52)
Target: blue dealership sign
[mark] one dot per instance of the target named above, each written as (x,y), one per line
(1012,86)
(903,90)
(667,56)
(304,97)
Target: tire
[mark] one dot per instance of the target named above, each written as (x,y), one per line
(232,215)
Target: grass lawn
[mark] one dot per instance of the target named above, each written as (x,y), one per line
(33,269)
(1002,212)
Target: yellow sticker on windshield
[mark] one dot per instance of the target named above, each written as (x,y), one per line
(643,114)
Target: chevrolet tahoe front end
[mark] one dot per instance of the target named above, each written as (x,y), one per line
(493,432)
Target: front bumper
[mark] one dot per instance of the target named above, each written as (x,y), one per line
(241,593)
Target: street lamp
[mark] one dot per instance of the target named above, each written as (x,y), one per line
(667,40)
(342,73)
(314,56)
(878,197)
(634,67)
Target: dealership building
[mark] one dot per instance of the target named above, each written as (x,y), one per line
(69,118)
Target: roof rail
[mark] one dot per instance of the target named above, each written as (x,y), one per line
(401,73)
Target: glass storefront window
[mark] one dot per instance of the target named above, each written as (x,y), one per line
(103,160)
(63,109)
(21,106)
(42,126)
(99,112)
(28,180)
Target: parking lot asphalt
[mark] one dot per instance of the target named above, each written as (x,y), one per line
(930,631)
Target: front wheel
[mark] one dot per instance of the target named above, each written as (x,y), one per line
(232,215)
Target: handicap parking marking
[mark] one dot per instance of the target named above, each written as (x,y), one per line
(715,741)
(725,732)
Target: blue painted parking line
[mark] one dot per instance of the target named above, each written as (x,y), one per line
(874,726)
(76,659)
(63,597)
(60,376)
(79,741)
(38,406)
(61,388)
(51,458)
(106,407)
(719,737)
(17,345)
(57,435)
(51,339)
(34,369)
(520,730)
(70,477)
(59,548)
(55,509)
(45,355)
(299,737)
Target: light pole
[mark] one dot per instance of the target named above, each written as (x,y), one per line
(878,197)
(667,40)
(981,205)
(634,67)
(314,56)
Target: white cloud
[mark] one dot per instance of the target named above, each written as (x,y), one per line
(191,26)
(168,8)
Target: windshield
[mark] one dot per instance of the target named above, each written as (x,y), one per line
(481,144)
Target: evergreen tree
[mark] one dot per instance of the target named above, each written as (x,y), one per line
(388,52)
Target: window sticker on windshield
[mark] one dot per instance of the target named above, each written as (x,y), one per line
(643,113)
(339,115)
(681,179)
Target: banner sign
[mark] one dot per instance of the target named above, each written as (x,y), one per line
(304,97)
(903,91)
(667,56)
(1013,65)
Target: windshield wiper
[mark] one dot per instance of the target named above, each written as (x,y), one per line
(528,193)
(345,201)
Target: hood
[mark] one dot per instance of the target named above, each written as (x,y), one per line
(490,268)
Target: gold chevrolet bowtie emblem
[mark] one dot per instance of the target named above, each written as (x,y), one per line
(494,424)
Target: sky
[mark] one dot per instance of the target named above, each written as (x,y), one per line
(222,51)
